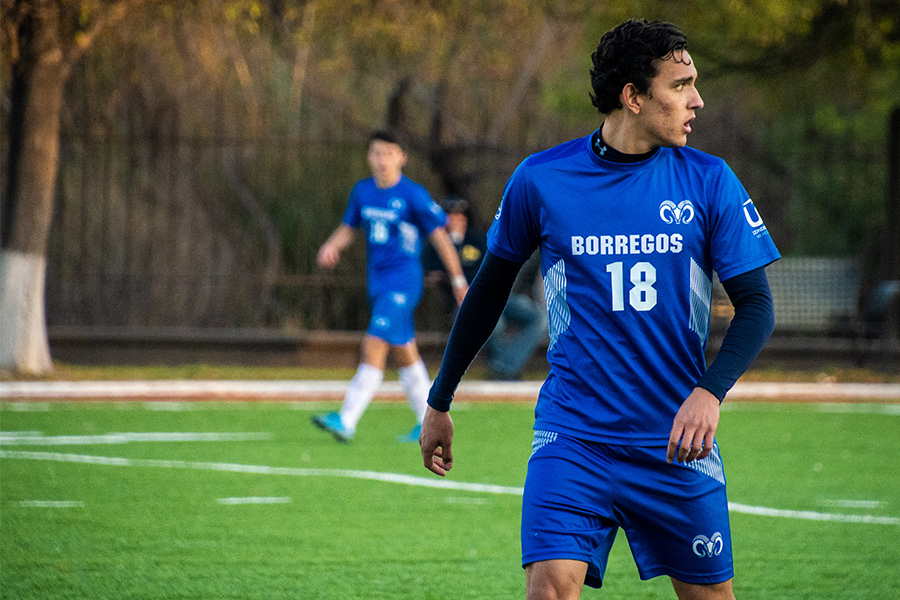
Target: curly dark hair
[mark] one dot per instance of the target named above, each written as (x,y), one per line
(628,54)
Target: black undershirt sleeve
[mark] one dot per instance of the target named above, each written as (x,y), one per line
(748,332)
(474,324)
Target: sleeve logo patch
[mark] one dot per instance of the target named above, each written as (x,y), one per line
(753,218)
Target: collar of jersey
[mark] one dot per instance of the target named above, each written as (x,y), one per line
(619,166)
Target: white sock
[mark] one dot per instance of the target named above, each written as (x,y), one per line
(360,393)
(415,382)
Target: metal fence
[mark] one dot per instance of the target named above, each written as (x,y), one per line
(158,227)
(217,231)
(815,294)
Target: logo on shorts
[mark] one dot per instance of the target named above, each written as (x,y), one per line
(708,547)
(398,298)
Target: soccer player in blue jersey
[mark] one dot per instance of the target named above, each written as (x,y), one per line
(394,213)
(631,224)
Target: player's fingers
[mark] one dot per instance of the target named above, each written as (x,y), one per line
(446,456)
(701,447)
(428,453)
(694,451)
(327,257)
(437,467)
(707,446)
(674,438)
(434,463)
(686,451)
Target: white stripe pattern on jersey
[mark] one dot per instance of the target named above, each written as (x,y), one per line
(557,308)
(701,298)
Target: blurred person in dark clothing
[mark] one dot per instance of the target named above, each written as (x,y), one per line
(523,323)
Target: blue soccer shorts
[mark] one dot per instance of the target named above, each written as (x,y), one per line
(392,316)
(579,493)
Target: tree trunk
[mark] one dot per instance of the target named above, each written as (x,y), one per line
(23,345)
(37,90)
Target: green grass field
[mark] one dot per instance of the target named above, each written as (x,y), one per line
(259,504)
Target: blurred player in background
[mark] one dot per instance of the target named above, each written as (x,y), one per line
(394,213)
(631,224)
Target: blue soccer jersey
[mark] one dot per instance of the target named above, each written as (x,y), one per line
(394,221)
(627,254)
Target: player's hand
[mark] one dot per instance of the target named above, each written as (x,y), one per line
(435,441)
(328,256)
(694,428)
(459,293)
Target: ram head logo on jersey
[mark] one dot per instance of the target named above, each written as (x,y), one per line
(708,547)
(681,214)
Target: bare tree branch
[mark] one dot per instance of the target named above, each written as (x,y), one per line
(526,75)
(106,19)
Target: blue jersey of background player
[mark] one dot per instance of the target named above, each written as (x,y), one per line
(631,225)
(394,221)
(395,214)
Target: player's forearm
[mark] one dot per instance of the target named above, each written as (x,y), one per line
(341,238)
(747,334)
(474,324)
(447,253)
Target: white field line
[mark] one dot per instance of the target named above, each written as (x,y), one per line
(857,408)
(857,504)
(429,482)
(835,407)
(175,389)
(810,515)
(30,407)
(255,500)
(52,503)
(17,439)
(264,470)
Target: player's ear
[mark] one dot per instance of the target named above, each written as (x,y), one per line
(631,98)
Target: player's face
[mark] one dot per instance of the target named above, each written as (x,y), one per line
(671,103)
(457,222)
(386,161)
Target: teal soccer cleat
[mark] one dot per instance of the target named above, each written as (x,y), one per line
(332,424)
(411,436)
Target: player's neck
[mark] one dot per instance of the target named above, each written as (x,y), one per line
(384,182)
(606,150)
(620,133)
